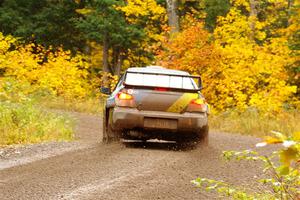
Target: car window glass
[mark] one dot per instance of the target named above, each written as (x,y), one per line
(147,80)
(120,81)
(118,85)
(160,81)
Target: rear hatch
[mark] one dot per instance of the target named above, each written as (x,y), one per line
(161,92)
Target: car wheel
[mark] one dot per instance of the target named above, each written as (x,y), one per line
(104,128)
(202,137)
(109,135)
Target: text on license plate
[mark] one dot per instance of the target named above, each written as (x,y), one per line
(160,123)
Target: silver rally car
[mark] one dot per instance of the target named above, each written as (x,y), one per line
(156,103)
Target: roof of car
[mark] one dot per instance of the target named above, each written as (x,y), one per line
(157,69)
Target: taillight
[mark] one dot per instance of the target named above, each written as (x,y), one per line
(198,101)
(124,96)
(161,89)
(197,105)
(124,99)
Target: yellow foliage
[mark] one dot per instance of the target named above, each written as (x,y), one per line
(84,11)
(95,57)
(291,151)
(137,9)
(65,75)
(190,50)
(237,73)
(54,70)
(235,26)
(150,15)
(238,3)
(252,76)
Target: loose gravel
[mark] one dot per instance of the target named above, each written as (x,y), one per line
(88,169)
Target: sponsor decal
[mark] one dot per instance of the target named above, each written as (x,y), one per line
(181,103)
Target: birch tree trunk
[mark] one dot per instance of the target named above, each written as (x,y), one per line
(173,19)
(253,18)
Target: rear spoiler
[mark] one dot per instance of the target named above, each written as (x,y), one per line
(174,75)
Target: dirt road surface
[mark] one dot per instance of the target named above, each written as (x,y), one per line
(88,169)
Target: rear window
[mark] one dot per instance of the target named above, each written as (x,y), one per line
(166,81)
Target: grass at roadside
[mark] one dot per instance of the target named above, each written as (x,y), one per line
(37,126)
(253,123)
(249,122)
(89,105)
(26,123)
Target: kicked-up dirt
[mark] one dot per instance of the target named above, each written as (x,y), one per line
(88,169)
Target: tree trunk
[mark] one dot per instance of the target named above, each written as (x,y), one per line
(114,62)
(173,19)
(105,55)
(119,64)
(290,5)
(253,18)
(87,49)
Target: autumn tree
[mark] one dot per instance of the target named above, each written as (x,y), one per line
(62,74)
(213,9)
(238,71)
(105,24)
(152,17)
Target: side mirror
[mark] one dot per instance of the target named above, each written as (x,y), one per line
(105,90)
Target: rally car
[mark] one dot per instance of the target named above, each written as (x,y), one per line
(156,103)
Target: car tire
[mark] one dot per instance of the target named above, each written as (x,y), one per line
(104,128)
(203,137)
(109,135)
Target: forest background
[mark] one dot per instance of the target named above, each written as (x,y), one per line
(55,53)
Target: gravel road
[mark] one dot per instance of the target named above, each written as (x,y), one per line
(87,169)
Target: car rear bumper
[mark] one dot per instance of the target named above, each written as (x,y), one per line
(130,118)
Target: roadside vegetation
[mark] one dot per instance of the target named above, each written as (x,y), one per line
(251,122)
(281,171)
(23,120)
(25,123)
(246,51)
(92,105)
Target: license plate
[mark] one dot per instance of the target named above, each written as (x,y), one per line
(160,123)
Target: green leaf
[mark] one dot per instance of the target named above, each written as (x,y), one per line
(288,155)
(283,170)
(84,11)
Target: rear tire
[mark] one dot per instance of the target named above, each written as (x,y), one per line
(202,137)
(109,135)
